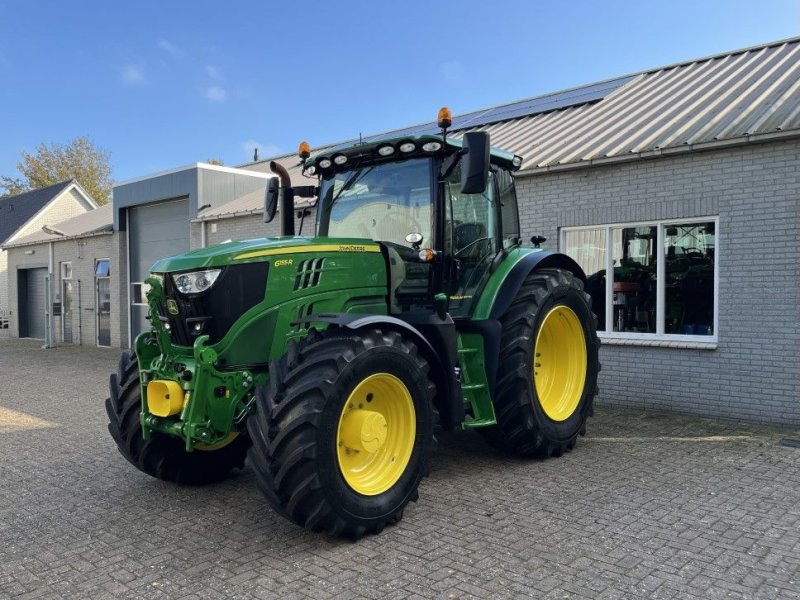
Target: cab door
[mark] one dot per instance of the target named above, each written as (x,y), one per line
(471,241)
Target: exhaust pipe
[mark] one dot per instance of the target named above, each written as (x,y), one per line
(286,198)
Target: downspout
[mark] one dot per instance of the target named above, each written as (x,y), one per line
(80,316)
(202,234)
(48,342)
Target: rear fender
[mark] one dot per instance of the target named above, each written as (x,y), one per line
(514,279)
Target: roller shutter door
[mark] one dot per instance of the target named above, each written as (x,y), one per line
(155,231)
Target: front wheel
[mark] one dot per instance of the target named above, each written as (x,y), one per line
(547,377)
(163,456)
(342,433)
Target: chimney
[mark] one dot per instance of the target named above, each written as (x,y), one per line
(255,154)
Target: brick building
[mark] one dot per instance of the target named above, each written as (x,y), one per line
(677,191)
(74,258)
(683,182)
(24,214)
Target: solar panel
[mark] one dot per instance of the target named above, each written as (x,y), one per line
(515,110)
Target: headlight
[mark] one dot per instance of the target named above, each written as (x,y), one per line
(196,281)
(324,163)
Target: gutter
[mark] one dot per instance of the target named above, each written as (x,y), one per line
(245,213)
(745,140)
(62,238)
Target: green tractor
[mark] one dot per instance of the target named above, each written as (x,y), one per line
(327,361)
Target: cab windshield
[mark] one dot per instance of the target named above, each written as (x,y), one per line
(383,202)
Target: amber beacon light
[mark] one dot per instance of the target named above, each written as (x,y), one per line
(445,118)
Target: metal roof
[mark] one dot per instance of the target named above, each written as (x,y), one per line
(742,96)
(93,222)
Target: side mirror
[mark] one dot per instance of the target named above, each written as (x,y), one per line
(475,165)
(271,199)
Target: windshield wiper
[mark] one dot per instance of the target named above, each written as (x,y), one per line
(350,182)
(450,164)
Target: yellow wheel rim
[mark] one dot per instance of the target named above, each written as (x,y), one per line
(376,434)
(559,363)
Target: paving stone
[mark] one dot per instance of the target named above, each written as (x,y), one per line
(648,505)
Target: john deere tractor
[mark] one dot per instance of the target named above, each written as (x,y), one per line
(326,361)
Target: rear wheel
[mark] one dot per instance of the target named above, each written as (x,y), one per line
(547,378)
(342,433)
(164,456)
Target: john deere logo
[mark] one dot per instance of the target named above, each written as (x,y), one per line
(172,307)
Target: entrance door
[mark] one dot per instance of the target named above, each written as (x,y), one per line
(66,302)
(103,303)
(32,321)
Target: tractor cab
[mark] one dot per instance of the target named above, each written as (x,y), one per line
(444,210)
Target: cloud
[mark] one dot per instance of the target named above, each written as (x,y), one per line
(264,150)
(133,75)
(453,71)
(168,47)
(215,93)
(213,72)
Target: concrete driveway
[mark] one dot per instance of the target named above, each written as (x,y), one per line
(647,506)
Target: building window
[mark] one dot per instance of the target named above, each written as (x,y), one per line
(664,277)
(102,268)
(139,292)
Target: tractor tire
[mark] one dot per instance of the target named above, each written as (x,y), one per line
(342,432)
(163,456)
(547,377)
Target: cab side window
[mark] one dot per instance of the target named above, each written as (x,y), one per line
(508,208)
(471,222)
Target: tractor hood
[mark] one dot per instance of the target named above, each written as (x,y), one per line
(229,253)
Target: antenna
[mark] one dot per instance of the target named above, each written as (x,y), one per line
(255,154)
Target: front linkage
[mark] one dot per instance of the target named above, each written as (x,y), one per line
(184,395)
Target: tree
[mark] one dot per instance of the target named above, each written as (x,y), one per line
(12,186)
(79,159)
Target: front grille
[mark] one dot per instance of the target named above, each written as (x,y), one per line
(238,289)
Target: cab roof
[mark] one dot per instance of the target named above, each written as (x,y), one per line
(370,149)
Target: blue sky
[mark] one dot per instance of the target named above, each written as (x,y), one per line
(163,84)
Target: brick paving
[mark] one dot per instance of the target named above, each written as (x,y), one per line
(647,506)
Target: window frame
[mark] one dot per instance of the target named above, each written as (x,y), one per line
(659,338)
(97,262)
(143,288)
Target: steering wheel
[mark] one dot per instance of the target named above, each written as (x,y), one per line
(470,245)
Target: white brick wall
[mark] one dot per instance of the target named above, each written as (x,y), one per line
(754,374)
(82,253)
(68,205)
